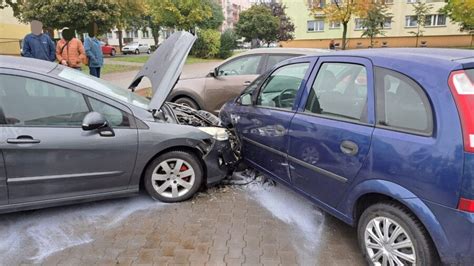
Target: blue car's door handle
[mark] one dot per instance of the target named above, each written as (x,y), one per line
(348,147)
(23,140)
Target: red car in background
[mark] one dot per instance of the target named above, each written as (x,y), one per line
(107,49)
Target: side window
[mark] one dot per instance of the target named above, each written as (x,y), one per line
(246,97)
(275,59)
(247,65)
(339,91)
(280,88)
(402,103)
(115,117)
(30,102)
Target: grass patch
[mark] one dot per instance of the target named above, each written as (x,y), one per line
(143,59)
(107,69)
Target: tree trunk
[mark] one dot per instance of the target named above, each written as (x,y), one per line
(155,32)
(417,35)
(344,35)
(120,39)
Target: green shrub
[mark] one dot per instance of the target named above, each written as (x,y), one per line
(207,44)
(228,43)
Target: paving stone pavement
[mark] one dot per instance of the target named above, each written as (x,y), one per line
(223,226)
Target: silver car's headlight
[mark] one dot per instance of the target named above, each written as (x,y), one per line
(217,133)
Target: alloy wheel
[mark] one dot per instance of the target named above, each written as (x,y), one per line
(173,178)
(388,243)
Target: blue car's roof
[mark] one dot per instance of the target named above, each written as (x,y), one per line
(388,57)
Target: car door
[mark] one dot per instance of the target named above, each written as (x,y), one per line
(46,153)
(231,78)
(263,126)
(330,134)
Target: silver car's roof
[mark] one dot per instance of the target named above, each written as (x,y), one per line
(165,66)
(26,63)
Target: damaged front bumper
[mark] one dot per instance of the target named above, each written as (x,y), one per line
(219,160)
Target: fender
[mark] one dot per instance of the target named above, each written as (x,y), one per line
(405,197)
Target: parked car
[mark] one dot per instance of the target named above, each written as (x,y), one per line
(107,49)
(230,78)
(69,137)
(381,139)
(136,48)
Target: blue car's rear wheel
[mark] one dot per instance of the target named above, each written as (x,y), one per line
(174,176)
(391,235)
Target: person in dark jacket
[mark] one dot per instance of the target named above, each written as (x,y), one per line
(93,51)
(37,44)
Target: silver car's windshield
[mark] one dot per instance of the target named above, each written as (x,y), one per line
(104,87)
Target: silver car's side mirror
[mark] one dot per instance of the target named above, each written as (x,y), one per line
(96,121)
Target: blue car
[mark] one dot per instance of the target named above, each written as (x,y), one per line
(381,139)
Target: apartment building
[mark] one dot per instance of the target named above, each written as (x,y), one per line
(231,10)
(316,31)
(11,32)
(142,36)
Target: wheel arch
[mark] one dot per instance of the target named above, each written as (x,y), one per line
(184,93)
(373,191)
(193,150)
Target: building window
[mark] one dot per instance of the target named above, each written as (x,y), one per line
(315,25)
(388,2)
(334,24)
(146,34)
(128,34)
(435,20)
(135,34)
(110,35)
(387,24)
(411,21)
(358,24)
(412,1)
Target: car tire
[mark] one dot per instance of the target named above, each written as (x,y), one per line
(186,101)
(165,183)
(112,53)
(148,51)
(409,230)
(137,51)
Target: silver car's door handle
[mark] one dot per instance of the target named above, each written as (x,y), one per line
(246,83)
(23,140)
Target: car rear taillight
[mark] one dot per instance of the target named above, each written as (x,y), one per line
(466,205)
(462,88)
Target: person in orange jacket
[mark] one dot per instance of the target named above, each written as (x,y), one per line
(69,50)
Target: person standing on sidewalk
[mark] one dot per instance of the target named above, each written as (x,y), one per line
(37,44)
(93,51)
(70,51)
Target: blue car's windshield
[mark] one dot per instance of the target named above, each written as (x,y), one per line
(104,87)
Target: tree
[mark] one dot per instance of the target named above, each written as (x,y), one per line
(183,15)
(462,12)
(421,10)
(207,44)
(228,43)
(74,14)
(13,4)
(132,15)
(259,23)
(286,26)
(373,21)
(216,18)
(339,10)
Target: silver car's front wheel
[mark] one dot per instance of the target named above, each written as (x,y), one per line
(387,243)
(174,176)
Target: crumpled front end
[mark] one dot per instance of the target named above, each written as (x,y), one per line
(219,159)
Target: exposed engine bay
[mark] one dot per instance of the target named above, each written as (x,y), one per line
(184,115)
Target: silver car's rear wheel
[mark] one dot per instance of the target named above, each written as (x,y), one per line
(174,176)
(387,243)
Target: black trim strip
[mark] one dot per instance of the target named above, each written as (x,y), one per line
(49,177)
(318,170)
(298,161)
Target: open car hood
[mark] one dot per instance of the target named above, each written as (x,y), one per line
(164,67)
